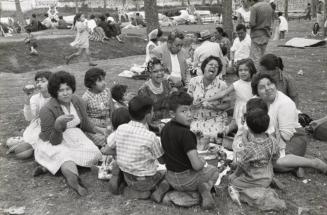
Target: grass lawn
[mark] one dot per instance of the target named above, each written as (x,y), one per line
(50,195)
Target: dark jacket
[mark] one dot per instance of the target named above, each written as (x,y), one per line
(52,110)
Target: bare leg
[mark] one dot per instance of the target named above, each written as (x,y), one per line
(70,172)
(70,57)
(289,162)
(87,52)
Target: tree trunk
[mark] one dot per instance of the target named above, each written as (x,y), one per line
(210,2)
(203,2)
(76,6)
(183,3)
(314,8)
(20,15)
(151,15)
(105,4)
(188,2)
(325,19)
(286,9)
(227,18)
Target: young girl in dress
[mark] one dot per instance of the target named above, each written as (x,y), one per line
(81,41)
(242,89)
(33,104)
(99,104)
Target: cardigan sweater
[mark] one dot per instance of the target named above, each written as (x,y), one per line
(52,131)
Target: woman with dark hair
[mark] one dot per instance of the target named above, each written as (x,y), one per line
(99,104)
(221,38)
(81,41)
(273,66)
(62,143)
(157,88)
(153,37)
(284,125)
(210,118)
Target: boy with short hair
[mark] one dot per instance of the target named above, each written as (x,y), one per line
(138,149)
(186,171)
(261,150)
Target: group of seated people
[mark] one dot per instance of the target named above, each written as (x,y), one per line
(67,131)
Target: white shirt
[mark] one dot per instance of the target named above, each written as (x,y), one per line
(242,48)
(175,67)
(283,26)
(283,116)
(91,24)
(111,19)
(245,14)
(206,49)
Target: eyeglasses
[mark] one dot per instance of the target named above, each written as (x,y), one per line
(213,65)
(156,71)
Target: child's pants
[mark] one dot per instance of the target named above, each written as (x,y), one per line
(143,183)
(189,180)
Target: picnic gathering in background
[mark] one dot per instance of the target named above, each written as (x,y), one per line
(159,141)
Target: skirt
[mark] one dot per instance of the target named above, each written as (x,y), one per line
(75,147)
(31,133)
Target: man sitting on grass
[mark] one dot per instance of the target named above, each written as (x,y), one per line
(137,151)
(186,171)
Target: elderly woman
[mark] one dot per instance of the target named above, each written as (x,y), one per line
(210,118)
(273,65)
(157,88)
(63,144)
(284,125)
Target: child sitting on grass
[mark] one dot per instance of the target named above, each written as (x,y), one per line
(118,94)
(119,116)
(138,150)
(31,41)
(186,171)
(255,161)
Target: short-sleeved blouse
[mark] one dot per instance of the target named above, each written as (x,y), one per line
(98,106)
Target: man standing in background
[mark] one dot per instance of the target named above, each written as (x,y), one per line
(260,25)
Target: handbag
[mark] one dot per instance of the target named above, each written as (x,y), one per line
(319,129)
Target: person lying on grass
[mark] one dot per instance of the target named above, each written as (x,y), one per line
(138,150)
(186,171)
(99,104)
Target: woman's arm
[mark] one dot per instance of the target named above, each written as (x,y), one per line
(51,128)
(221,94)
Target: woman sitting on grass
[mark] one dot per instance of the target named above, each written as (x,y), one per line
(157,88)
(284,125)
(62,144)
(99,104)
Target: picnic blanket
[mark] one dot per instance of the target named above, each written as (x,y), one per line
(298,42)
